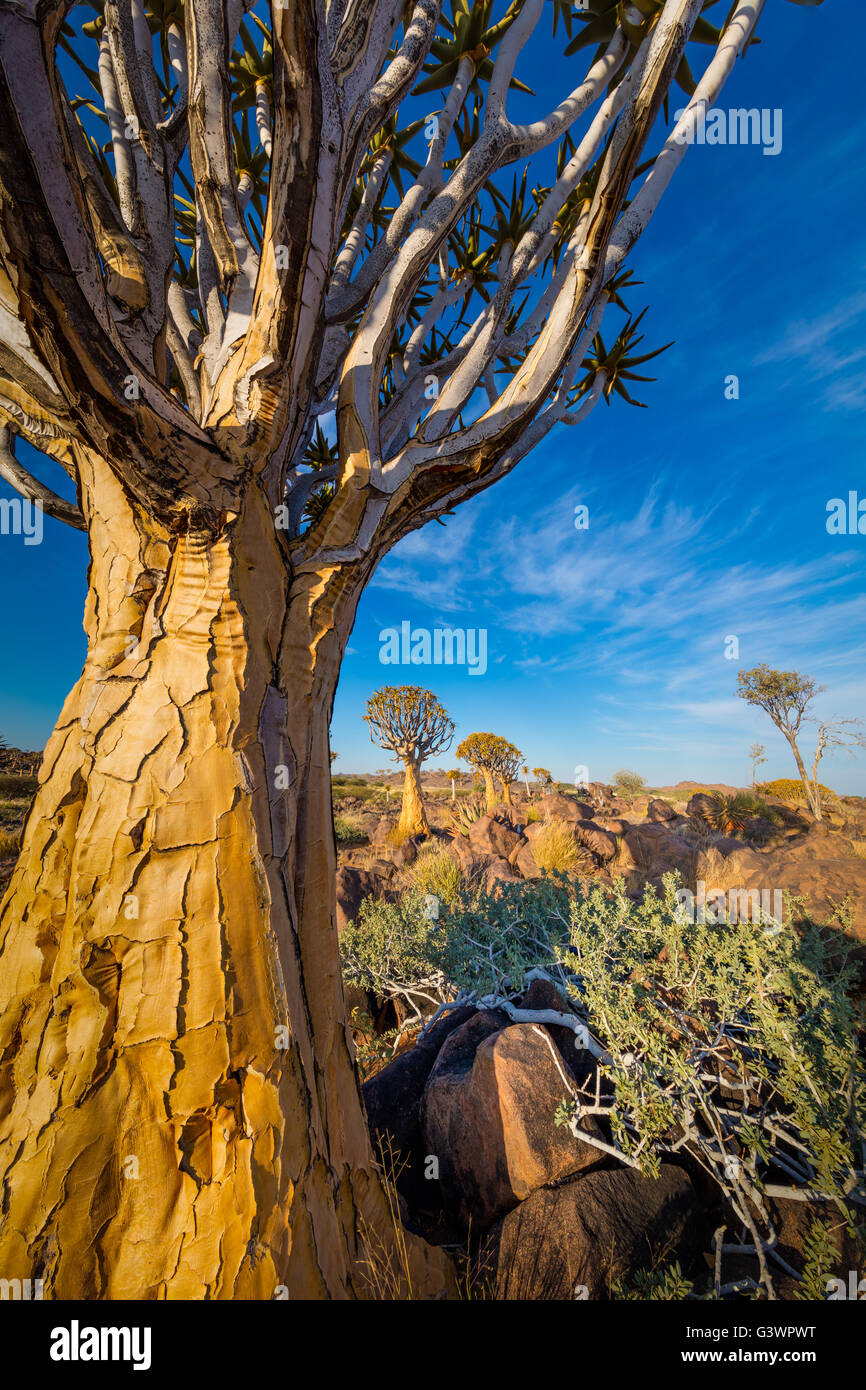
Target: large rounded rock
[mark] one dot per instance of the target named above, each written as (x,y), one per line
(404,855)
(488,1116)
(700,806)
(383,830)
(601,842)
(512,815)
(489,835)
(657,851)
(353,885)
(820,867)
(615,824)
(499,871)
(393,1099)
(462,851)
(575,1240)
(660,810)
(543,994)
(555,804)
(523,860)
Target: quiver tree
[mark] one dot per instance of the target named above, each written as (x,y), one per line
(507,767)
(452,776)
(410,723)
(543,776)
(787,697)
(757,756)
(270,318)
(491,756)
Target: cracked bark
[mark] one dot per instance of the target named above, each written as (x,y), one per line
(170,914)
(413,819)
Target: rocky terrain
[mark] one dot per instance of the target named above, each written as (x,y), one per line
(639,840)
(533,1212)
(463,1115)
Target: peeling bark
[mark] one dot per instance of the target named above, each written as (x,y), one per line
(413,818)
(180,1115)
(489,788)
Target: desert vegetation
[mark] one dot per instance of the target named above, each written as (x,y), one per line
(788,697)
(689,1045)
(495,759)
(410,723)
(643,1054)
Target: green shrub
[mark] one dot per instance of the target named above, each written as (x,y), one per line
(532,814)
(347,831)
(666,1284)
(768,1011)
(394,949)
(490,943)
(735,1043)
(342,786)
(628,783)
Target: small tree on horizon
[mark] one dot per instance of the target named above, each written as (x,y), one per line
(452,775)
(787,697)
(628,782)
(543,776)
(756,757)
(411,723)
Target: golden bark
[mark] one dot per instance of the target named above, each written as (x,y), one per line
(489,788)
(413,818)
(180,1115)
(506,792)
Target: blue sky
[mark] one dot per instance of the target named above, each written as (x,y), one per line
(606,647)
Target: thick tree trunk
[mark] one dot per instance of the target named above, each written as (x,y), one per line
(813,795)
(413,818)
(506,792)
(489,788)
(180,1115)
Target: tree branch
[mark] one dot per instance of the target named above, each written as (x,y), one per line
(18,477)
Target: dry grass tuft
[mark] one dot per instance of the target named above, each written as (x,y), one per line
(9,843)
(556,849)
